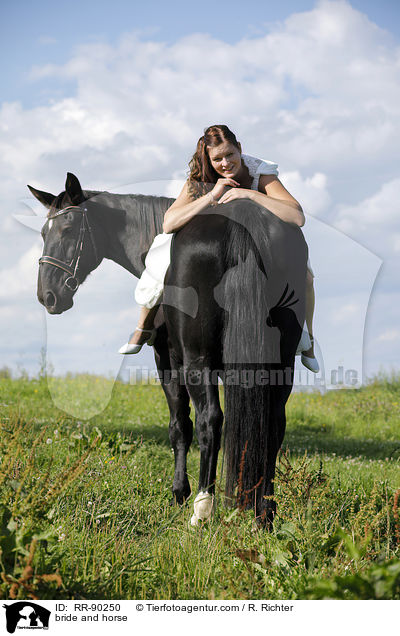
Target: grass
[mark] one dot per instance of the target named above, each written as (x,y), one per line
(85,505)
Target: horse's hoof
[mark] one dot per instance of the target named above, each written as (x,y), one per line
(181,501)
(265,521)
(180,498)
(194,521)
(203,506)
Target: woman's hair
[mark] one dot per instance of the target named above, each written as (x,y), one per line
(202,175)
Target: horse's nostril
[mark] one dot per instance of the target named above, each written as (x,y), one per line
(50,299)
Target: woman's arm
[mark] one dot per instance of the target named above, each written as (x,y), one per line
(273,196)
(184,208)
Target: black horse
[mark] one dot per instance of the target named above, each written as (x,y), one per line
(233,308)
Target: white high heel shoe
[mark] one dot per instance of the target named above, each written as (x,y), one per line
(135,348)
(309,362)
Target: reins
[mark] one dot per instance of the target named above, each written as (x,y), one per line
(72,282)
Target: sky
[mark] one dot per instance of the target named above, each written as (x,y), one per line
(118,93)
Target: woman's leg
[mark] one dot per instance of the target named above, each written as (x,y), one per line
(146,321)
(310,304)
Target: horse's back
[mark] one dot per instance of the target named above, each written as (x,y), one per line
(226,233)
(235,259)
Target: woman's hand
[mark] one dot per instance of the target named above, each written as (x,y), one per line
(219,188)
(235,193)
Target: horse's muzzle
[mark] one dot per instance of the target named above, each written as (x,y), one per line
(53,304)
(51,300)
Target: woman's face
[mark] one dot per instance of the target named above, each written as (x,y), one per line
(226,159)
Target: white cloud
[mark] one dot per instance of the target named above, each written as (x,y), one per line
(311,191)
(346,312)
(389,336)
(17,281)
(375,220)
(320,91)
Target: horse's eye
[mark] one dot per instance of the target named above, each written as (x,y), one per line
(67,229)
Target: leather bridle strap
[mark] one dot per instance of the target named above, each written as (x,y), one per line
(71,268)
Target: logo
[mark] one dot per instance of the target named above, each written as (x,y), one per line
(26,615)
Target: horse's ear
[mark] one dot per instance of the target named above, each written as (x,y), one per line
(73,188)
(44,197)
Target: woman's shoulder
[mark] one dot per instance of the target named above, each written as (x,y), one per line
(260,166)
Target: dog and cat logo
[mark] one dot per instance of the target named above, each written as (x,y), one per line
(26,615)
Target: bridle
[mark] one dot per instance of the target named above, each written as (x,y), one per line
(72,282)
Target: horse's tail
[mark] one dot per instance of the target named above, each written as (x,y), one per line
(249,351)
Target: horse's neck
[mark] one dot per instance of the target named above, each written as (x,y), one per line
(130,225)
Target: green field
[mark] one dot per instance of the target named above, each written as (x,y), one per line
(85,505)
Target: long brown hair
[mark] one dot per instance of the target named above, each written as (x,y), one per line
(202,175)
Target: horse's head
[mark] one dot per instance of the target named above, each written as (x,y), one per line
(70,250)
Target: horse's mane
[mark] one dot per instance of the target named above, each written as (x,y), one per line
(149,210)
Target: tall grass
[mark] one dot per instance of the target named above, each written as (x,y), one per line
(85,505)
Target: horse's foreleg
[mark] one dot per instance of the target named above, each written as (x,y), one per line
(180,424)
(180,431)
(180,435)
(209,419)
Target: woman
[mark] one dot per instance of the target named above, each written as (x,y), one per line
(218,173)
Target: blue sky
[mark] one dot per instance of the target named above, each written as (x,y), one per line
(118,93)
(34,33)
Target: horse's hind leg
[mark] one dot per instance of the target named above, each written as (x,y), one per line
(265,503)
(209,418)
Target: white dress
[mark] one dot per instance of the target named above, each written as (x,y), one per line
(150,285)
